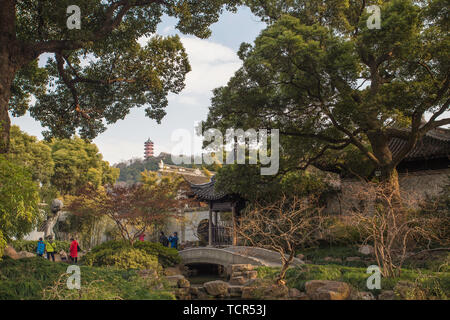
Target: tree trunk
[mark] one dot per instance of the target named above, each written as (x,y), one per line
(284,267)
(386,172)
(8,67)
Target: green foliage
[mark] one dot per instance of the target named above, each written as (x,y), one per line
(19,200)
(315,254)
(131,258)
(120,73)
(424,287)
(77,163)
(30,246)
(339,232)
(130,171)
(37,278)
(247,181)
(338,91)
(107,252)
(36,155)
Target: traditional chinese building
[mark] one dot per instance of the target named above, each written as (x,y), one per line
(219,203)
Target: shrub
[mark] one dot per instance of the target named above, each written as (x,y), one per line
(30,246)
(104,253)
(37,278)
(130,258)
(340,232)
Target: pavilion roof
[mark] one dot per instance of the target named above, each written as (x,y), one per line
(435,144)
(207,192)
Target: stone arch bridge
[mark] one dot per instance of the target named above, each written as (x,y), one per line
(233,255)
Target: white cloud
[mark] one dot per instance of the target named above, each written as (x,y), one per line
(212,65)
(167,30)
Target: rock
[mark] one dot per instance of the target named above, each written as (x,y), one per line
(11,252)
(148,273)
(276,291)
(173,280)
(235,291)
(240,268)
(172,271)
(327,290)
(255,282)
(294,293)
(331,259)
(25,254)
(387,295)
(202,295)
(249,293)
(364,295)
(302,296)
(251,274)
(183,294)
(183,283)
(352,259)
(366,249)
(216,288)
(237,281)
(193,291)
(63,256)
(56,205)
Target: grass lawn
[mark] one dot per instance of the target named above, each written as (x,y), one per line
(424,274)
(36,278)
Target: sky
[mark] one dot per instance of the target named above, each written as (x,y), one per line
(213,62)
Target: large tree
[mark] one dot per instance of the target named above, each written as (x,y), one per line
(19,198)
(329,83)
(135,208)
(34,154)
(78,163)
(99,72)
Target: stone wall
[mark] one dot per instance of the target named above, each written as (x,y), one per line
(414,185)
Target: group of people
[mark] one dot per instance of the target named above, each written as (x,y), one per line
(49,247)
(171,242)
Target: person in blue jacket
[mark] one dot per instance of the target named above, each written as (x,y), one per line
(40,248)
(174,240)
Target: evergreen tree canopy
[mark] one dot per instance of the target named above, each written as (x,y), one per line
(334,87)
(98,72)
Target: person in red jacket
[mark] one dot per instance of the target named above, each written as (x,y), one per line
(74,247)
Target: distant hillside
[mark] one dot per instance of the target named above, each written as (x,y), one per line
(130,171)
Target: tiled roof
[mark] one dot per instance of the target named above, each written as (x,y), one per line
(195,179)
(206,191)
(435,144)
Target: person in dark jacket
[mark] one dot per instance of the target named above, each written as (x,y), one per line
(163,239)
(40,248)
(174,240)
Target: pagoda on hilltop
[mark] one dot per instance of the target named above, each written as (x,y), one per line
(148,149)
